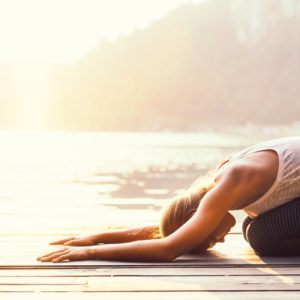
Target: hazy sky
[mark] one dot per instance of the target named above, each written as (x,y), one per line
(64,30)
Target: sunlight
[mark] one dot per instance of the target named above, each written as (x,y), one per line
(34,33)
(32,104)
(285,279)
(62,31)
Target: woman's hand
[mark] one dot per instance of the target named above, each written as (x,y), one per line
(77,241)
(66,254)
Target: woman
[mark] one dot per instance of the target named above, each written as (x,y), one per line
(263,180)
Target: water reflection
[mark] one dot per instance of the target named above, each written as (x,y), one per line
(71,182)
(152,183)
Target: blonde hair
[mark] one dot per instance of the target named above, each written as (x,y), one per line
(183,206)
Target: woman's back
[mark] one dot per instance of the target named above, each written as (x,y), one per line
(286,184)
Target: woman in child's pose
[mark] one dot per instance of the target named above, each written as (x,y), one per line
(263,180)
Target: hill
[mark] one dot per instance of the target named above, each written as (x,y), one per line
(219,62)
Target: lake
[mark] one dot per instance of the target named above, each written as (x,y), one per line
(83,182)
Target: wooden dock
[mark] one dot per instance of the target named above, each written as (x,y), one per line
(230,271)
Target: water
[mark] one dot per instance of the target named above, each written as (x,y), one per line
(72,183)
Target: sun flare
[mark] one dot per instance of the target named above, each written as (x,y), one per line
(61,31)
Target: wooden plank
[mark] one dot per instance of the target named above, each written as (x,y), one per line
(152,295)
(211,271)
(201,263)
(183,262)
(151,284)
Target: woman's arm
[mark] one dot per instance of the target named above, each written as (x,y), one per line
(239,183)
(211,211)
(129,235)
(146,250)
(230,189)
(112,237)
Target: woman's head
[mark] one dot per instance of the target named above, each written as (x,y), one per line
(183,206)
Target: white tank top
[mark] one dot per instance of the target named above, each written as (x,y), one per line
(286,186)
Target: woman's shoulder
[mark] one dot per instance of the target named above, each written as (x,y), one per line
(252,175)
(245,166)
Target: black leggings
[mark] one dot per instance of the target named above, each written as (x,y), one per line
(276,232)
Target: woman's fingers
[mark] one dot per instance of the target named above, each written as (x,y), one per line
(60,251)
(69,254)
(53,256)
(61,242)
